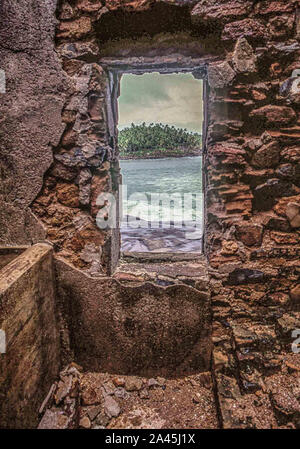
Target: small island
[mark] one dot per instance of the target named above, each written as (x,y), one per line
(156,141)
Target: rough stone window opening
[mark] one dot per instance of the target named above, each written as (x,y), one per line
(160,151)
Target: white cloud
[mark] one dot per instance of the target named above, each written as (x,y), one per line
(175,99)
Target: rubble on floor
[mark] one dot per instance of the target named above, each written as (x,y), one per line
(101,400)
(90,400)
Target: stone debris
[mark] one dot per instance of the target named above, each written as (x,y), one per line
(62,401)
(111,407)
(119,381)
(63,389)
(152,383)
(85,423)
(121,393)
(54,419)
(108,389)
(144,394)
(91,389)
(133,383)
(145,418)
(93,411)
(47,399)
(146,403)
(265,395)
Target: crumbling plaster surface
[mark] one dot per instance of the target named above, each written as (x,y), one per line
(135,326)
(30,112)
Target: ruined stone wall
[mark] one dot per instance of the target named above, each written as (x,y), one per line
(249,49)
(251,163)
(30,113)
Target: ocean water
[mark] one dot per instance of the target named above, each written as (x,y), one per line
(162,191)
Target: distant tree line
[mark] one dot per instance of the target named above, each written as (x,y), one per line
(157,136)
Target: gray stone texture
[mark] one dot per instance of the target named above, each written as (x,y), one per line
(30,112)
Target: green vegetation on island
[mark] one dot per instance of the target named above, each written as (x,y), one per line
(158,140)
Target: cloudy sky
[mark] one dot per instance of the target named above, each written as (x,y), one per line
(175,99)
